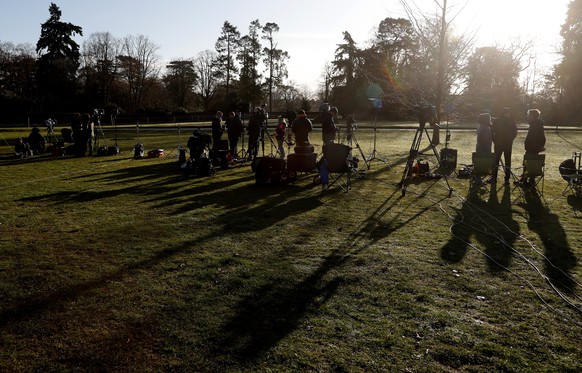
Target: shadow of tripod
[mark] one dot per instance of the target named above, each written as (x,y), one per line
(413,154)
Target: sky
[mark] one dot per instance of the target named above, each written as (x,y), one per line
(309,30)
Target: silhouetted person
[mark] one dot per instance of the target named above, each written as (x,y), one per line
(504,132)
(328,128)
(234,128)
(36,141)
(301,128)
(254,131)
(535,140)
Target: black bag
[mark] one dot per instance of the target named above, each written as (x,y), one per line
(304,149)
(269,170)
(114,150)
(448,158)
(301,162)
(102,151)
(138,151)
(203,167)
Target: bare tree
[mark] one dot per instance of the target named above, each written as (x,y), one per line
(139,66)
(206,69)
(445,51)
(98,63)
(325,83)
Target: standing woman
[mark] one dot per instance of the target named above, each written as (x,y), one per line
(216,130)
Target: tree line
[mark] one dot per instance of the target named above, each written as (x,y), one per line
(408,62)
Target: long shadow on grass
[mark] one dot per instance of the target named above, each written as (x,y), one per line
(33,305)
(492,224)
(275,309)
(151,180)
(560,259)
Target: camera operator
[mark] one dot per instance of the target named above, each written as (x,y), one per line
(97,113)
(197,143)
(217,130)
(254,130)
(328,127)
(36,141)
(301,128)
(280,136)
(350,128)
(234,128)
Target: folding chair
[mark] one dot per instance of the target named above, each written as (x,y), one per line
(533,171)
(483,166)
(339,164)
(571,171)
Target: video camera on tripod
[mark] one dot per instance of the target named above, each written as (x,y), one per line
(50,125)
(427,114)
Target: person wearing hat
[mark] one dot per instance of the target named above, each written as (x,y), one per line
(504,132)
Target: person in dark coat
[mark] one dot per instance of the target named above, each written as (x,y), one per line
(328,128)
(234,128)
(504,132)
(484,134)
(36,141)
(301,128)
(254,131)
(535,140)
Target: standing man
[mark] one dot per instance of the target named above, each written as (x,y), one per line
(504,132)
(254,130)
(301,128)
(328,128)
(234,130)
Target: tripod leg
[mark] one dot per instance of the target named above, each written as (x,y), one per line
(439,162)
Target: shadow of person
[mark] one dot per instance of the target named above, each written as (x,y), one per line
(504,230)
(490,222)
(462,229)
(575,202)
(560,259)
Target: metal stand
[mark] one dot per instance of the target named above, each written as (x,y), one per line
(351,138)
(374,156)
(414,153)
(171,153)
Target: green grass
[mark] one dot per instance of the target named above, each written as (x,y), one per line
(116,264)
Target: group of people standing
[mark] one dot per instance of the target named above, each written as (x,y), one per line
(257,128)
(502,131)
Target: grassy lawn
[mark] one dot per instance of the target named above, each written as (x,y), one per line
(115,264)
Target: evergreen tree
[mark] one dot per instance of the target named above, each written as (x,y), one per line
(569,70)
(227,46)
(58,61)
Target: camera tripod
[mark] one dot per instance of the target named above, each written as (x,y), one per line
(414,153)
(351,139)
(265,130)
(374,155)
